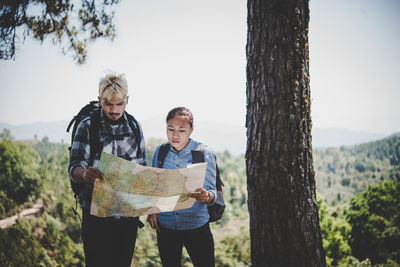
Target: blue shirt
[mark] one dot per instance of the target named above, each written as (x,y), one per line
(197,215)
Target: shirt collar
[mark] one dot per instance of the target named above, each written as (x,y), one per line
(187,149)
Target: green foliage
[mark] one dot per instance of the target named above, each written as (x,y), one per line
(19,247)
(350,170)
(375,219)
(71,24)
(59,244)
(234,250)
(38,242)
(146,251)
(335,232)
(151,145)
(19,176)
(351,261)
(233,175)
(52,238)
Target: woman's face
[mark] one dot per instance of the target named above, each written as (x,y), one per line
(178,132)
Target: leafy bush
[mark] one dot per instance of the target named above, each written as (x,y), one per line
(19,177)
(234,250)
(375,219)
(335,232)
(19,247)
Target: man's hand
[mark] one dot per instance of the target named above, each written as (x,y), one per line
(152,219)
(90,174)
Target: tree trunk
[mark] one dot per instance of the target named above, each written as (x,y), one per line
(284,224)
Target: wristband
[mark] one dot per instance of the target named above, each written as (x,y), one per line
(84,173)
(208,197)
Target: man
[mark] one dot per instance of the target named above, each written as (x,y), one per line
(107,241)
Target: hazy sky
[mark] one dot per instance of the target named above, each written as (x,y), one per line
(192,53)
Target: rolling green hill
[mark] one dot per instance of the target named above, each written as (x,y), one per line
(342,172)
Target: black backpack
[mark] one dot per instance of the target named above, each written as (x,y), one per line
(93,110)
(217,209)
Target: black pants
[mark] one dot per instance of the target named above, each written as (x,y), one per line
(199,244)
(108,241)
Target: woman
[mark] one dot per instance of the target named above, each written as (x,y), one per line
(187,227)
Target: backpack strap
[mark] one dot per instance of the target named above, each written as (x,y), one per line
(93,106)
(136,130)
(218,183)
(162,154)
(197,156)
(94,136)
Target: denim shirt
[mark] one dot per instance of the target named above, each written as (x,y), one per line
(197,215)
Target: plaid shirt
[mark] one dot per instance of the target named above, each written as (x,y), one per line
(118,140)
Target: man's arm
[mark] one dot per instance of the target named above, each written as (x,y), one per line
(142,159)
(79,169)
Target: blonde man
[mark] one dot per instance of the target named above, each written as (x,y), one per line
(107,241)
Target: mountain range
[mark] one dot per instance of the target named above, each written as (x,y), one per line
(218,136)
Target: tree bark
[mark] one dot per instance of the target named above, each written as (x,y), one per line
(284,224)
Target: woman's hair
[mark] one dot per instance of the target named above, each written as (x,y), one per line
(113,85)
(182,113)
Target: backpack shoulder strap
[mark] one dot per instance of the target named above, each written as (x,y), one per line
(219,184)
(198,155)
(162,154)
(136,130)
(94,135)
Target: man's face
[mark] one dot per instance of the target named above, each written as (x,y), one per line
(114,108)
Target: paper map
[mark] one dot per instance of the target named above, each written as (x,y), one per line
(130,189)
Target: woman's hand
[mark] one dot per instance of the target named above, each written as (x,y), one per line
(152,219)
(202,195)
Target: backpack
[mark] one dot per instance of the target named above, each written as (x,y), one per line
(93,110)
(217,209)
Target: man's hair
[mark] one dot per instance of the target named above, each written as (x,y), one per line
(182,113)
(113,85)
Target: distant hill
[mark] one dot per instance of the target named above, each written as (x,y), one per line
(218,136)
(342,172)
(336,137)
(55,131)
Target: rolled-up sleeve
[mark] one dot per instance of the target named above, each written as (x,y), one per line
(80,149)
(211,173)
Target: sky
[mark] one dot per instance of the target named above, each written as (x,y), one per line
(192,53)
